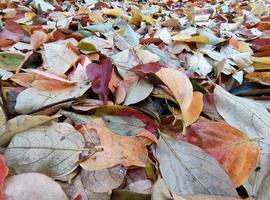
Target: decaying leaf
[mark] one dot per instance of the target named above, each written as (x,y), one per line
(261,77)
(126,150)
(187,169)
(225,144)
(252,119)
(51,149)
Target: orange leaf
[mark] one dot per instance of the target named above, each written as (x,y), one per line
(126,150)
(180,86)
(261,77)
(232,148)
(195,108)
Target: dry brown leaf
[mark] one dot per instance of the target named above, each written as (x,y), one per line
(261,77)
(127,150)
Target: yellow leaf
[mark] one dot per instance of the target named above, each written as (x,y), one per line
(196,38)
(261,66)
(244,47)
(148,19)
(262,60)
(116,12)
(136,18)
(261,77)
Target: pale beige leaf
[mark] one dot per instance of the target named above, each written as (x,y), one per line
(264,192)
(198,63)
(145,56)
(104,180)
(187,169)
(49,149)
(59,57)
(26,104)
(21,123)
(253,119)
(32,186)
(160,191)
(180,86)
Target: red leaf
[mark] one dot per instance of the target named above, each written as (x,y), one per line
(100,75)
(156,41)
(3,174)
(13,31)
(259,43)
(151,67)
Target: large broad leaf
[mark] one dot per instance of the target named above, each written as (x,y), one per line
(104,180)
(59,57)
(261,77)
(19,124)
(33,186)
(126,150)
(180,86)
(225,143)
(3,174)
(198,63)
(100,75)
(253,119)
(124,125)
(52,150)
(187,169)
(25,103)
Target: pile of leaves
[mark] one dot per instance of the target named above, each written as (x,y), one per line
(134,100)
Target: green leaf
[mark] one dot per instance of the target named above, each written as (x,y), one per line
(85,46)
(10,61)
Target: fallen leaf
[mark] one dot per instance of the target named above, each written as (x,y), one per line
(151,67)
(225,144)
(59,58)
(10,61)
(187,169)
(204,197)
(195,108)
(123,125)
(3,175)
(100,75)
(182,92)
(51,149)
(13,31)
(138,91)
(43,98)
(252,119)
(21,187)
(104,180)
(160,190)
(197,38)
(38,38)
(126,150)
(199,64)
(262,60)
(261,77)
(117,110)
(21,123)
(264,193)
